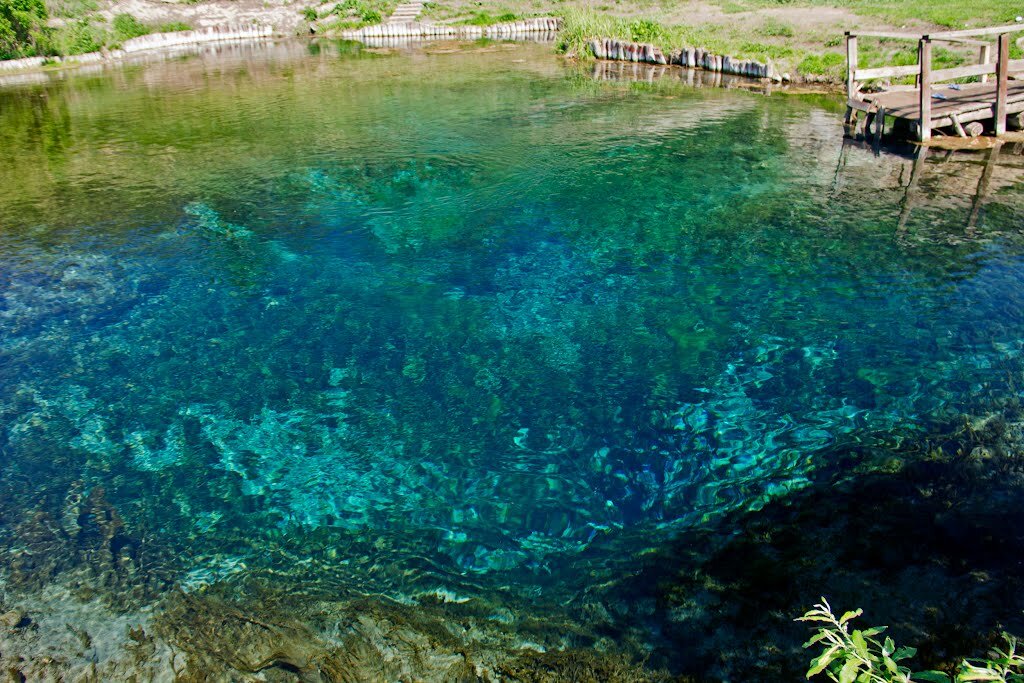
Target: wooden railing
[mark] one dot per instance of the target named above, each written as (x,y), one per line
(926,77)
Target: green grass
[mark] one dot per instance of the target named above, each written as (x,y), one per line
(127,26)
(174,26)
(580,26)
(487,19)
(828,64)
(965,14)
(773,28)
(359,13)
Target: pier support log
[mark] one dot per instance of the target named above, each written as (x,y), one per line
(924,126)
(974,129)
(1002,75)
(851,64)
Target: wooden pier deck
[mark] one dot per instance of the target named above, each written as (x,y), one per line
(962,109)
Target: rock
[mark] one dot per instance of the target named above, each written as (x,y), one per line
(786,78)
(12,619)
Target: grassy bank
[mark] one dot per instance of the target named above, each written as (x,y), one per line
(801,36)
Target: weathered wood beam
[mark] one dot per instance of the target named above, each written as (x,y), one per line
(885,34)
(962,72)
(988,31)
(924,130)
(957,126)
(851,65)
(886,72)
(984,57)
(1002,76)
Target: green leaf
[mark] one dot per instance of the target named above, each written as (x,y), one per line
(819,664)
(874,630)
(816,638)
(977,673)
(931,677)
(904,653)
(850,615)
(849,671)
(861,646)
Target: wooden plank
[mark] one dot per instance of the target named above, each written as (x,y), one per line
(851,65)
(861,105)
(974,115)
(886,34)
(924,121)
(879,126)
(886,72)
(961,41)
(984,57)
(1016,65)
(989,31)
(1002,75)
(962,72)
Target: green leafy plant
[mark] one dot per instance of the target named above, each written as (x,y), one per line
(1004,666)
(127,26)
(646,31)
(858,656)
(23,29)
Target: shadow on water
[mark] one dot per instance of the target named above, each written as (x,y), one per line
(932,548)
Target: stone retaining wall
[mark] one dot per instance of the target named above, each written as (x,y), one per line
(419,29)
(694,58)
(152,41)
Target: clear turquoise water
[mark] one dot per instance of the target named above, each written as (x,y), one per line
(477,310)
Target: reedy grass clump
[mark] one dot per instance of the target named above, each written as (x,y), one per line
(579,26)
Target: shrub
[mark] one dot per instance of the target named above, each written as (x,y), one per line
(646,31)
(78,37)
(23,31)
(127,26)
(859,657)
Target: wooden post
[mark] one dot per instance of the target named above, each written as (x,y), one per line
(851,65)
(924,130)
(1002,76)
(984,57)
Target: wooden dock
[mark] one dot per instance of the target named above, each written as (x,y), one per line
(933,104)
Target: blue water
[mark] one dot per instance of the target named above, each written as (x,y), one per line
(477,311)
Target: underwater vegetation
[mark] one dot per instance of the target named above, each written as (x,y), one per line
(490,360)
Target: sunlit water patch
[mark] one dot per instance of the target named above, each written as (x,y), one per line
(480,305)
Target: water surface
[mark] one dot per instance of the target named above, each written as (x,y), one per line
(498,322)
